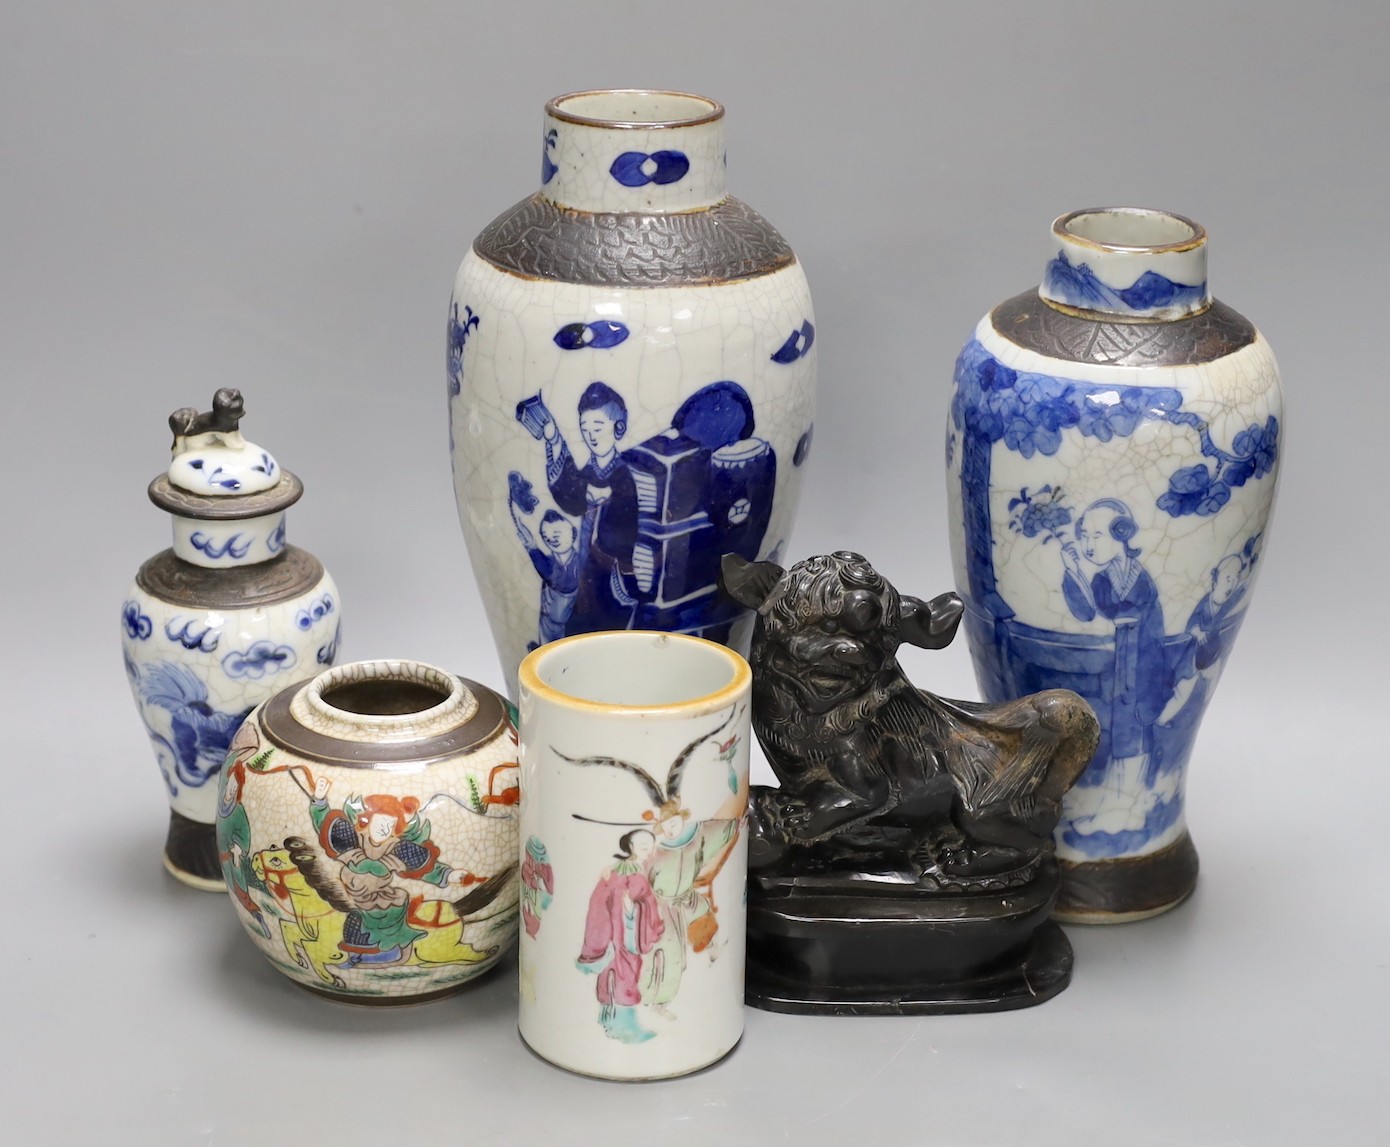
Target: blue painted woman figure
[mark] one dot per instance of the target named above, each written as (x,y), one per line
(603,484)
(1122,591)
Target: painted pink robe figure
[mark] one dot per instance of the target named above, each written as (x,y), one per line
(622,926)
(537,885)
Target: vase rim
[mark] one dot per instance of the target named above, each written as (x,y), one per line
(539,679)
(1183,234)
(701,109)
(313,708)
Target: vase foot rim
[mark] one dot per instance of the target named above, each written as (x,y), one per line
(1127,888)
(202,883)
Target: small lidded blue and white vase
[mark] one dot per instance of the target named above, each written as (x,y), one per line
(226,617)
(1112,456)
(631,381)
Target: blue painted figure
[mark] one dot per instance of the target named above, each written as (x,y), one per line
(603,485)
(1122,591)
(560,561)
(1209,633)
(655,519)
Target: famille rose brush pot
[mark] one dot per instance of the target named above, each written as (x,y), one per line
(367,821)
(1112,457)
(634,764)
(631,381)
(220,621)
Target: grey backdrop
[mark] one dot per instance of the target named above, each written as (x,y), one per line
(276,196)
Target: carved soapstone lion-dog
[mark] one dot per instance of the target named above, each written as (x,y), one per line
(879,779)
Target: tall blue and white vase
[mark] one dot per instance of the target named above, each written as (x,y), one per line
(631,372)
(1112,455)
(224,619)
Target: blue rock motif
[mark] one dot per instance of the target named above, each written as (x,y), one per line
(797,345)
(600,335)
(1077,285)
(629,169)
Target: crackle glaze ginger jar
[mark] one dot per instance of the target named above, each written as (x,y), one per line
(1112,456)
(367,824)
(221,621)
(631,378)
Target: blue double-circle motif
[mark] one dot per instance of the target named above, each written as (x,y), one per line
(637,168)
(602,334)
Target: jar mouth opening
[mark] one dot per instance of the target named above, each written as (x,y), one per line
(634,108)
(1129,229)
(636,672)
(383,695)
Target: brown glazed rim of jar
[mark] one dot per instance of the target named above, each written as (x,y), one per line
(555,109)
(472,727)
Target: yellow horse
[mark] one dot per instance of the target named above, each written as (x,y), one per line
(296,875)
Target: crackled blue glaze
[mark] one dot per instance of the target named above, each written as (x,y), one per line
(1107,529)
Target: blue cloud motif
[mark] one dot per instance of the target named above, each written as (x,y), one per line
(233,547)
(275,542)
(601,335)
(630,168)
(797,344)
(548,167)
(314,612)
(193,634)
(138,626)
(263,659)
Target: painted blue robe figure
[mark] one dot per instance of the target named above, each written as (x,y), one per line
(605,594)
(1124,593)
(559,559)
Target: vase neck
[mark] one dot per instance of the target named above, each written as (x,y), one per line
(222,544)
(648,152)
(1127,262)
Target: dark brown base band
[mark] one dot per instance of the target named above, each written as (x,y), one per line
(1117,891)
(190,852)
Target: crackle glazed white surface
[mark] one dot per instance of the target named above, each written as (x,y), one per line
(685,1007)
(457,812)
(1186,555)
(676,341)
(197,672)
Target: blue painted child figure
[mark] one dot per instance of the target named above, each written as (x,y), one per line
(1208,634)
(560,560)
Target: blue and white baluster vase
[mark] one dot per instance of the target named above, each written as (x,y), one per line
(631,381)
(1112,456)
(226,618)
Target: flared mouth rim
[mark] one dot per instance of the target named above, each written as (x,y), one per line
(1064,228)
(712,110)
(313,705)
(532,680)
